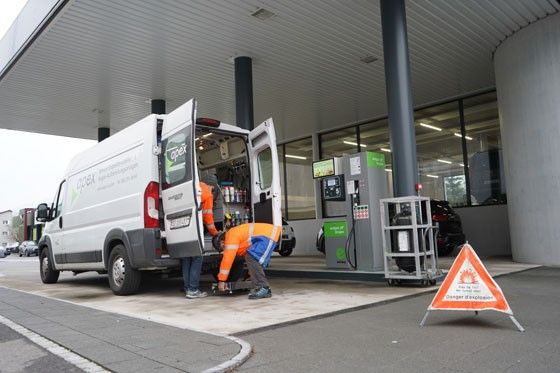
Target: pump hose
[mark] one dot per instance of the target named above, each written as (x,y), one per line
(347,247)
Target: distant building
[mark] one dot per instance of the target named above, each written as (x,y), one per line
(6,236)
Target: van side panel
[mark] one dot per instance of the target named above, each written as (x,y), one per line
(106,187)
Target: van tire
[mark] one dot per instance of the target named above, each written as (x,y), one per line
(123,279)
(48,274)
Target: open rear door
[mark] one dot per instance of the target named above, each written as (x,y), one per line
(179,183)
(265,174)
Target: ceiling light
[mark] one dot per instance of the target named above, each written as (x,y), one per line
(388,170)
(262,14)
(432,176)
(444,161)
(355,144)
(466,137)
(208,134)
(197,138)
(430,127)
(462,164)
(368,59)
(201,147)
(295,156)
(385,150)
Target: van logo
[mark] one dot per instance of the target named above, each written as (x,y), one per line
(175,197)
(85,181)
(178,152)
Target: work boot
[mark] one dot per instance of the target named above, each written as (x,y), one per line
(259,293)
(193,294)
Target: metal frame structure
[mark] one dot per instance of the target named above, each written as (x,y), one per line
(425,270)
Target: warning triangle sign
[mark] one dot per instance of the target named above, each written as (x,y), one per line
(469,287)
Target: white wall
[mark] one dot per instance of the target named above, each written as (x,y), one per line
(487,229)
(527,67)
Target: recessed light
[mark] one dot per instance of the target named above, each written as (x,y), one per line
(208,134)
(444,161)
(262,14)
(430,127)
(295,156)
(459,135)
(433,176)
(388,170)
(385,150)
(368,59)
(354,143)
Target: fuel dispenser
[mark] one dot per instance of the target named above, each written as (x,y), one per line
(351,187)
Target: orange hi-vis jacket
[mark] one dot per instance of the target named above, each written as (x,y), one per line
(240,239)
(207,206)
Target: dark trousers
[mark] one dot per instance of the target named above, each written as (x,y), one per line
(191,267)
(256,271)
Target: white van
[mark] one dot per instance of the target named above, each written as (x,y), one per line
(132,202)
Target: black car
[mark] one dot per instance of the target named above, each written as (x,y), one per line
(450,231)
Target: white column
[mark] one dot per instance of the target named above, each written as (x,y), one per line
(527,67)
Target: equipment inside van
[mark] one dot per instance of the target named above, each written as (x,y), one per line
(132,203)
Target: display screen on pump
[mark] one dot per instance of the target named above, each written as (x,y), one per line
(323,168)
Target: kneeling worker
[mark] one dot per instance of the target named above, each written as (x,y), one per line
(255,242)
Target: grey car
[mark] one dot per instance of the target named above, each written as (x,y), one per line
(28,248)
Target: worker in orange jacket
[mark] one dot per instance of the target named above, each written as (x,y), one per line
(255,242)
(192,266)
(207,208)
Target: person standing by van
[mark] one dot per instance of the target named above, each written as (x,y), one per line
(218,200)
(192,266)
(255,242)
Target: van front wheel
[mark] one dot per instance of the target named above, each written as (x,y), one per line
(48,274)
(123,279)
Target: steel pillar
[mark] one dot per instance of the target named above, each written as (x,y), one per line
(158,106)
(399,97)
(244,92)
(103,133)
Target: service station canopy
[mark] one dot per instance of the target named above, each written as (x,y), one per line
(71,66)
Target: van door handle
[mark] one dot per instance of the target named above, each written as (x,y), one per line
(60,222)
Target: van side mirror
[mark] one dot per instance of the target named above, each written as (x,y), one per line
(42,212)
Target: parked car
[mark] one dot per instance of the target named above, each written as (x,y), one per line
(288,239)
(3,252)
(28,248)
(12,248)
(450,230)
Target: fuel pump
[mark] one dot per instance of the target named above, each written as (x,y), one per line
(351,191)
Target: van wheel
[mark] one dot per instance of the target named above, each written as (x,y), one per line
(48,274)
(123,279)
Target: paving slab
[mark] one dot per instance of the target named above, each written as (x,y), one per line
(99,336)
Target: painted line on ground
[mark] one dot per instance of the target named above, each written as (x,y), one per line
(54,348)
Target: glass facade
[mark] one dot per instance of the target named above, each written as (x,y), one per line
(299,185)
(458,147)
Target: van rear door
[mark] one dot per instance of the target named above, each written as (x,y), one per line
(265,174)
(179,183)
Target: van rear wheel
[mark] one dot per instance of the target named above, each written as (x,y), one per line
(123,279)
(48,274)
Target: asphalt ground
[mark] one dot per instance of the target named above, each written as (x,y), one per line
(387,338)
(19,354)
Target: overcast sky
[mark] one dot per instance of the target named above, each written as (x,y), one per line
(31,165)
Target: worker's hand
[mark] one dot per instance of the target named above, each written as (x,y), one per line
(221,286)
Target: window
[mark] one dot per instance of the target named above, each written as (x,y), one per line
(440,153)
(280,149)
(264,159)
(58,200)
(484,149)
(338,143)
(300,189)
(374,137)
(177,150)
